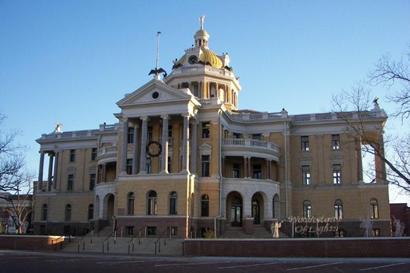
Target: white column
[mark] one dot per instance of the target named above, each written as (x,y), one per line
(267,175)
(185,144)
(40,171)
(135,153)
(245,168)
(50,170)
(55,170)
(194,146)
(164,144)
(143,157)
(249,167)
(124,147)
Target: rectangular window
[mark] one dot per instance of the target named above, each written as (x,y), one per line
(257,136)
(149,133)
(307,209)
(237,135)
(129,230)
(337,174)
(304,141)
(151,231)
(306,175)
(257,171)
(205,129)
(236,170)
(70,182)
(173,231)
(205,165)
(93,154)
(129,166)
(130,135)
(72,155)
(148,165)
(92,181)
(169,130)
(335,142)
(169,164)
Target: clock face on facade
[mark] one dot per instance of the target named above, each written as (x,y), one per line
(193,59)
(154,148)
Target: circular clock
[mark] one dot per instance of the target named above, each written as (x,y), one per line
(155,95)
(193,59)
(154,148)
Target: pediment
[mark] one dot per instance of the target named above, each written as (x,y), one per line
(154,92)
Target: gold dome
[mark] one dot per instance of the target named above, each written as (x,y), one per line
(208,57)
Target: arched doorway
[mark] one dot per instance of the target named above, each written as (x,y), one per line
(234,208)
(257,208)
(109,207)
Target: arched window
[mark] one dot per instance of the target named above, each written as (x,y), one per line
(67,213)
(90,211)
(205,205)
(338,209)
(307,209)
(276,207)
(130,203)
(374,209)
(152,203)
(44,212)
(173,203)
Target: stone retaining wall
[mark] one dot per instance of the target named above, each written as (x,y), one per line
(31,242)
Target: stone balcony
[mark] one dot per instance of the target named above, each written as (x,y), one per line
(106,154)
(251,148)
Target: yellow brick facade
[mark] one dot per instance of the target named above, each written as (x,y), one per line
(228,167)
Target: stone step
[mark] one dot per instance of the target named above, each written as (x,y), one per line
(124,245)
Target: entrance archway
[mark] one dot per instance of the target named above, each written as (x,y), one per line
(257,208)
(109,207)
(234,208)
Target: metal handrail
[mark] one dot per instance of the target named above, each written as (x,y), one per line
(158,241)
(82,240)
(108,242)
(131,242)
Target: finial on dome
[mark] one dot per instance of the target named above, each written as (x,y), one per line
(201,22)
(201,36)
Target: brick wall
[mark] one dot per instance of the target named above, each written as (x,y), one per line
(342,247)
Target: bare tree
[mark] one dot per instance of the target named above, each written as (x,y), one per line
(357,121)
(11,161)
(19,204)
(395,73)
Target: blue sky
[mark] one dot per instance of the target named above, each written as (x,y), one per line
(70,61)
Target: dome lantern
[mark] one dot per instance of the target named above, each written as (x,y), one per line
(201,36)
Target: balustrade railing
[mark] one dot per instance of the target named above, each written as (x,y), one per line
(251,143)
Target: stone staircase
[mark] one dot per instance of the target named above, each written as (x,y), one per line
(106,243)
(259,232)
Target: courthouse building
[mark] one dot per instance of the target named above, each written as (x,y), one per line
(184,160)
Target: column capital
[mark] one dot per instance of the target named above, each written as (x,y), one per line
(165,116)
(144,118)
(186,115)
